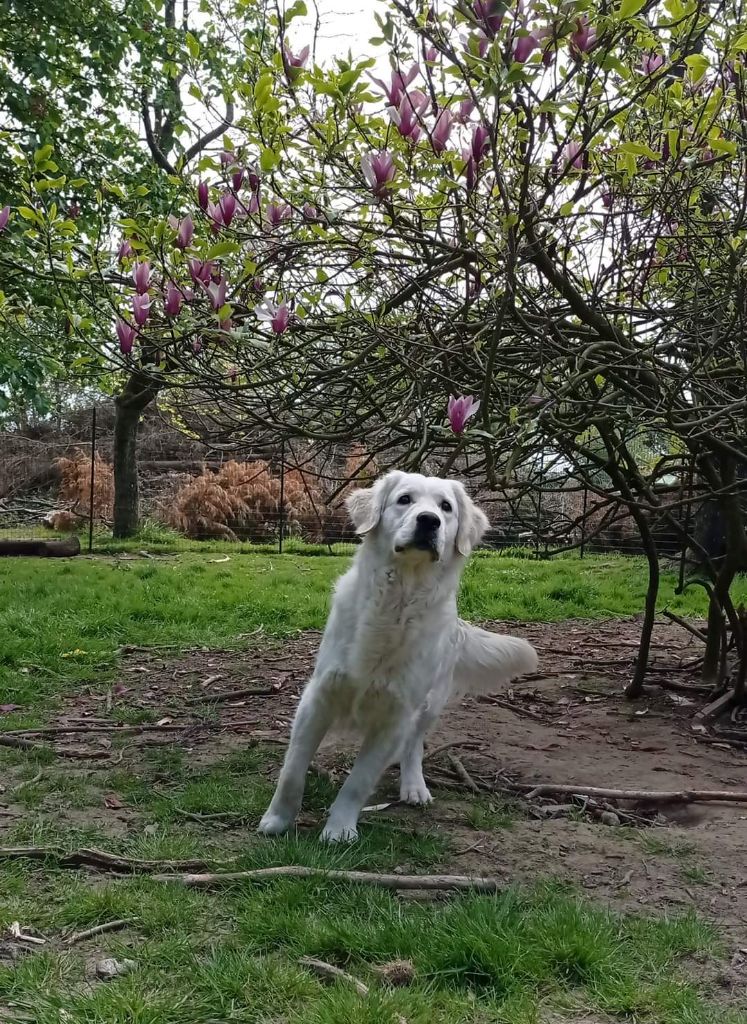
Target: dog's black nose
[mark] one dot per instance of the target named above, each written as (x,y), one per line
(428,522)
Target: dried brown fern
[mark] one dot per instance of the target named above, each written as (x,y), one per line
(75,484)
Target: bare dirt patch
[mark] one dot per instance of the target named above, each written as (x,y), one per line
(570,725)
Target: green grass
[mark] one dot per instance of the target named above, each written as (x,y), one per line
(62,622)
(232,955)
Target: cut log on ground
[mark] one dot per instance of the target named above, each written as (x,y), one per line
(40,548)
(680,796)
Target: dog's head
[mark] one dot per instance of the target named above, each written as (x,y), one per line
(415,516)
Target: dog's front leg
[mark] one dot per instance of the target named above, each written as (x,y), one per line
(380,748)
(313,719)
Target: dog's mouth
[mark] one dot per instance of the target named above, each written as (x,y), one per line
(426,544)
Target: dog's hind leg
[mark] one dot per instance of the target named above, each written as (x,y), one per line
(313,719)
(380,748)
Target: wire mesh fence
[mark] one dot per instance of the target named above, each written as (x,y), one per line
(54,484)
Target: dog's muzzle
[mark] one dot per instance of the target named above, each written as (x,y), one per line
(425,537)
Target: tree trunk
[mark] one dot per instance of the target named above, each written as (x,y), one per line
(138,393)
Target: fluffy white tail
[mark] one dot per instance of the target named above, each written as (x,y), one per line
(488,660)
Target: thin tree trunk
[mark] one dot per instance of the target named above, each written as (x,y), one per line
(138,393)
(635,686)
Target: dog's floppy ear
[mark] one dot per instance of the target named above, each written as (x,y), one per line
(366,504)
(472,521)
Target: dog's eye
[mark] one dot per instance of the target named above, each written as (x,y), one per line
(404,499)
(446,506)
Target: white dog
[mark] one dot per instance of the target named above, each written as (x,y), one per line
(394,649)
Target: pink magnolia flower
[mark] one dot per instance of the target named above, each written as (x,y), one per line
(310,212)
(185,233)
(296,60)
(524,47)
(141,308)
(278,317)
(470,168)
(201,271)
(430,53)
(216,292)
(379,171)
(203,195)
(126,334)
(608,200)
(584,37)
(651,63)
(253,179)
(571,154)
(141,276)
(215,216)
(407,115)
(197,346)
(398,84)
(276,213)
(227,207)
(480,142)
(233,374)
(459,410)
(125,251)
(73,211)
(227,157)
(464,110)
(490,14)
(237,179)
(173,300)
(4,217)
(441,130)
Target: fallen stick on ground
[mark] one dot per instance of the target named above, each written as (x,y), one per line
(21,743)
(462,772)
(99,929)
(467,744)
(515,708)
(89,857)
(115,727)
(454,882)
(249,691)
(330,971)
(679,796)
(685,625)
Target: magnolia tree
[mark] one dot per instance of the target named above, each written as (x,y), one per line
(521,247)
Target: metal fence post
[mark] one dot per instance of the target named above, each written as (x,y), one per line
(93,479)
(281,531)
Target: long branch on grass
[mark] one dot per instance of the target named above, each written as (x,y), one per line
(99,929)
(453,882)
(21,743)
(679,796)
(102,860)
(330,971)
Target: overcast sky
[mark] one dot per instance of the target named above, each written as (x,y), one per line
(344,25)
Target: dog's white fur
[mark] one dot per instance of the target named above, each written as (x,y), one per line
(394,649)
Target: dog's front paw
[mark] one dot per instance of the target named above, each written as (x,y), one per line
(339,833)
(274,824)
(417,793)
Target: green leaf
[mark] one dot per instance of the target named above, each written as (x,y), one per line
(43,154)
(47,183)
(740,43)
(78,182)
(222,249)
(639,149)
(193,46)
(629,8)
(28,214)
(698,65)
(225,312)
(268,160)
(298,10)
